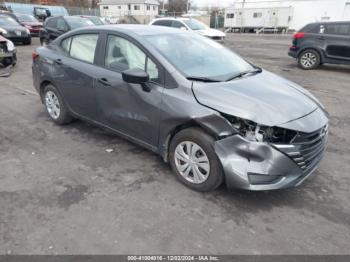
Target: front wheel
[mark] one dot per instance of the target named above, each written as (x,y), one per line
(55,106)
(194,161)
(309,59)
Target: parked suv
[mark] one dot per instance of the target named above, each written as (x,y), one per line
(319,43)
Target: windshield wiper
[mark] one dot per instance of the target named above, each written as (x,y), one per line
(202,79)
(241,74)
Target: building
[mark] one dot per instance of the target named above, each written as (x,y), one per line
(291,14)
(144,11)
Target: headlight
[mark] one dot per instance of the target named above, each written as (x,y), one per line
(3,31)
(258,133)
(10,46)
(28,32)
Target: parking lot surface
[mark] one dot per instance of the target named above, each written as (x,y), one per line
(80,190)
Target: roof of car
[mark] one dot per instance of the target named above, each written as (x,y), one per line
(330,22)
(172,18)
(141,30)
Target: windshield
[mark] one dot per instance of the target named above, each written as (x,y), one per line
(195,24)
(26,18)
(7,21)
(78,22)
(198,56)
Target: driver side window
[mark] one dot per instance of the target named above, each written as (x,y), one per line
(121,55)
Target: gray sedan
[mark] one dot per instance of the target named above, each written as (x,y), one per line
(215,117)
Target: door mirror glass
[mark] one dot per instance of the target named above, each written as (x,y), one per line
(135,76)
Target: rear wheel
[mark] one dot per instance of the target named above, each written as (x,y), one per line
(55,106)
(309,59)
(194,161)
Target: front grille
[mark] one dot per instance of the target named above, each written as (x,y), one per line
(306,149)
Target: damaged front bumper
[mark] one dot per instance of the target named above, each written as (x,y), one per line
(262,166)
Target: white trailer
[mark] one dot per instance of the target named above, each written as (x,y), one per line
(274,19)
(302,11)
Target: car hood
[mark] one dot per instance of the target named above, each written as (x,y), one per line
(264,98)
(14,28)
(211,32)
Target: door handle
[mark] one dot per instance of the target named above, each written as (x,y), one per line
(321,38)
(59,61)
(104,82)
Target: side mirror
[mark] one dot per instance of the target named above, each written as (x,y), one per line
(136,76)
(183,28)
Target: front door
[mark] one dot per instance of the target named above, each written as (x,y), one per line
(128,108)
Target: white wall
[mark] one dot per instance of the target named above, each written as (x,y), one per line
(123,10)
(305,11)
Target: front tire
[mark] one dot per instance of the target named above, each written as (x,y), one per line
(55,106)
(309,59)
(194,161)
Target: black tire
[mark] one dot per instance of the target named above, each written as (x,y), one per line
(64,115)
(14,60)
(206,142)
(313,63)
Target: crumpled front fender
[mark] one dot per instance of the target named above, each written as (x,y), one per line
(243,160)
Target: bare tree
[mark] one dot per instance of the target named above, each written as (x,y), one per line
(178,6)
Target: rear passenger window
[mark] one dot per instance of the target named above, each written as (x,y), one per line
(83,47)
(52,23)
(337,29)
(177,24)
(163,23)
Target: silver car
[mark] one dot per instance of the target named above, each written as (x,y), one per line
(215,117)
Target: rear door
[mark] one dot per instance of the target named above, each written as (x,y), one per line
(78,73)
(336,40)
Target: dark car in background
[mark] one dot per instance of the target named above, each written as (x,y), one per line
(95,19)
(12,30)
(322,42)
(55,26)
(30,22)
(214,116)
(10,14)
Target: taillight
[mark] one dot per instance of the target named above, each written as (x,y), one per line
(299,35)
(35,55)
